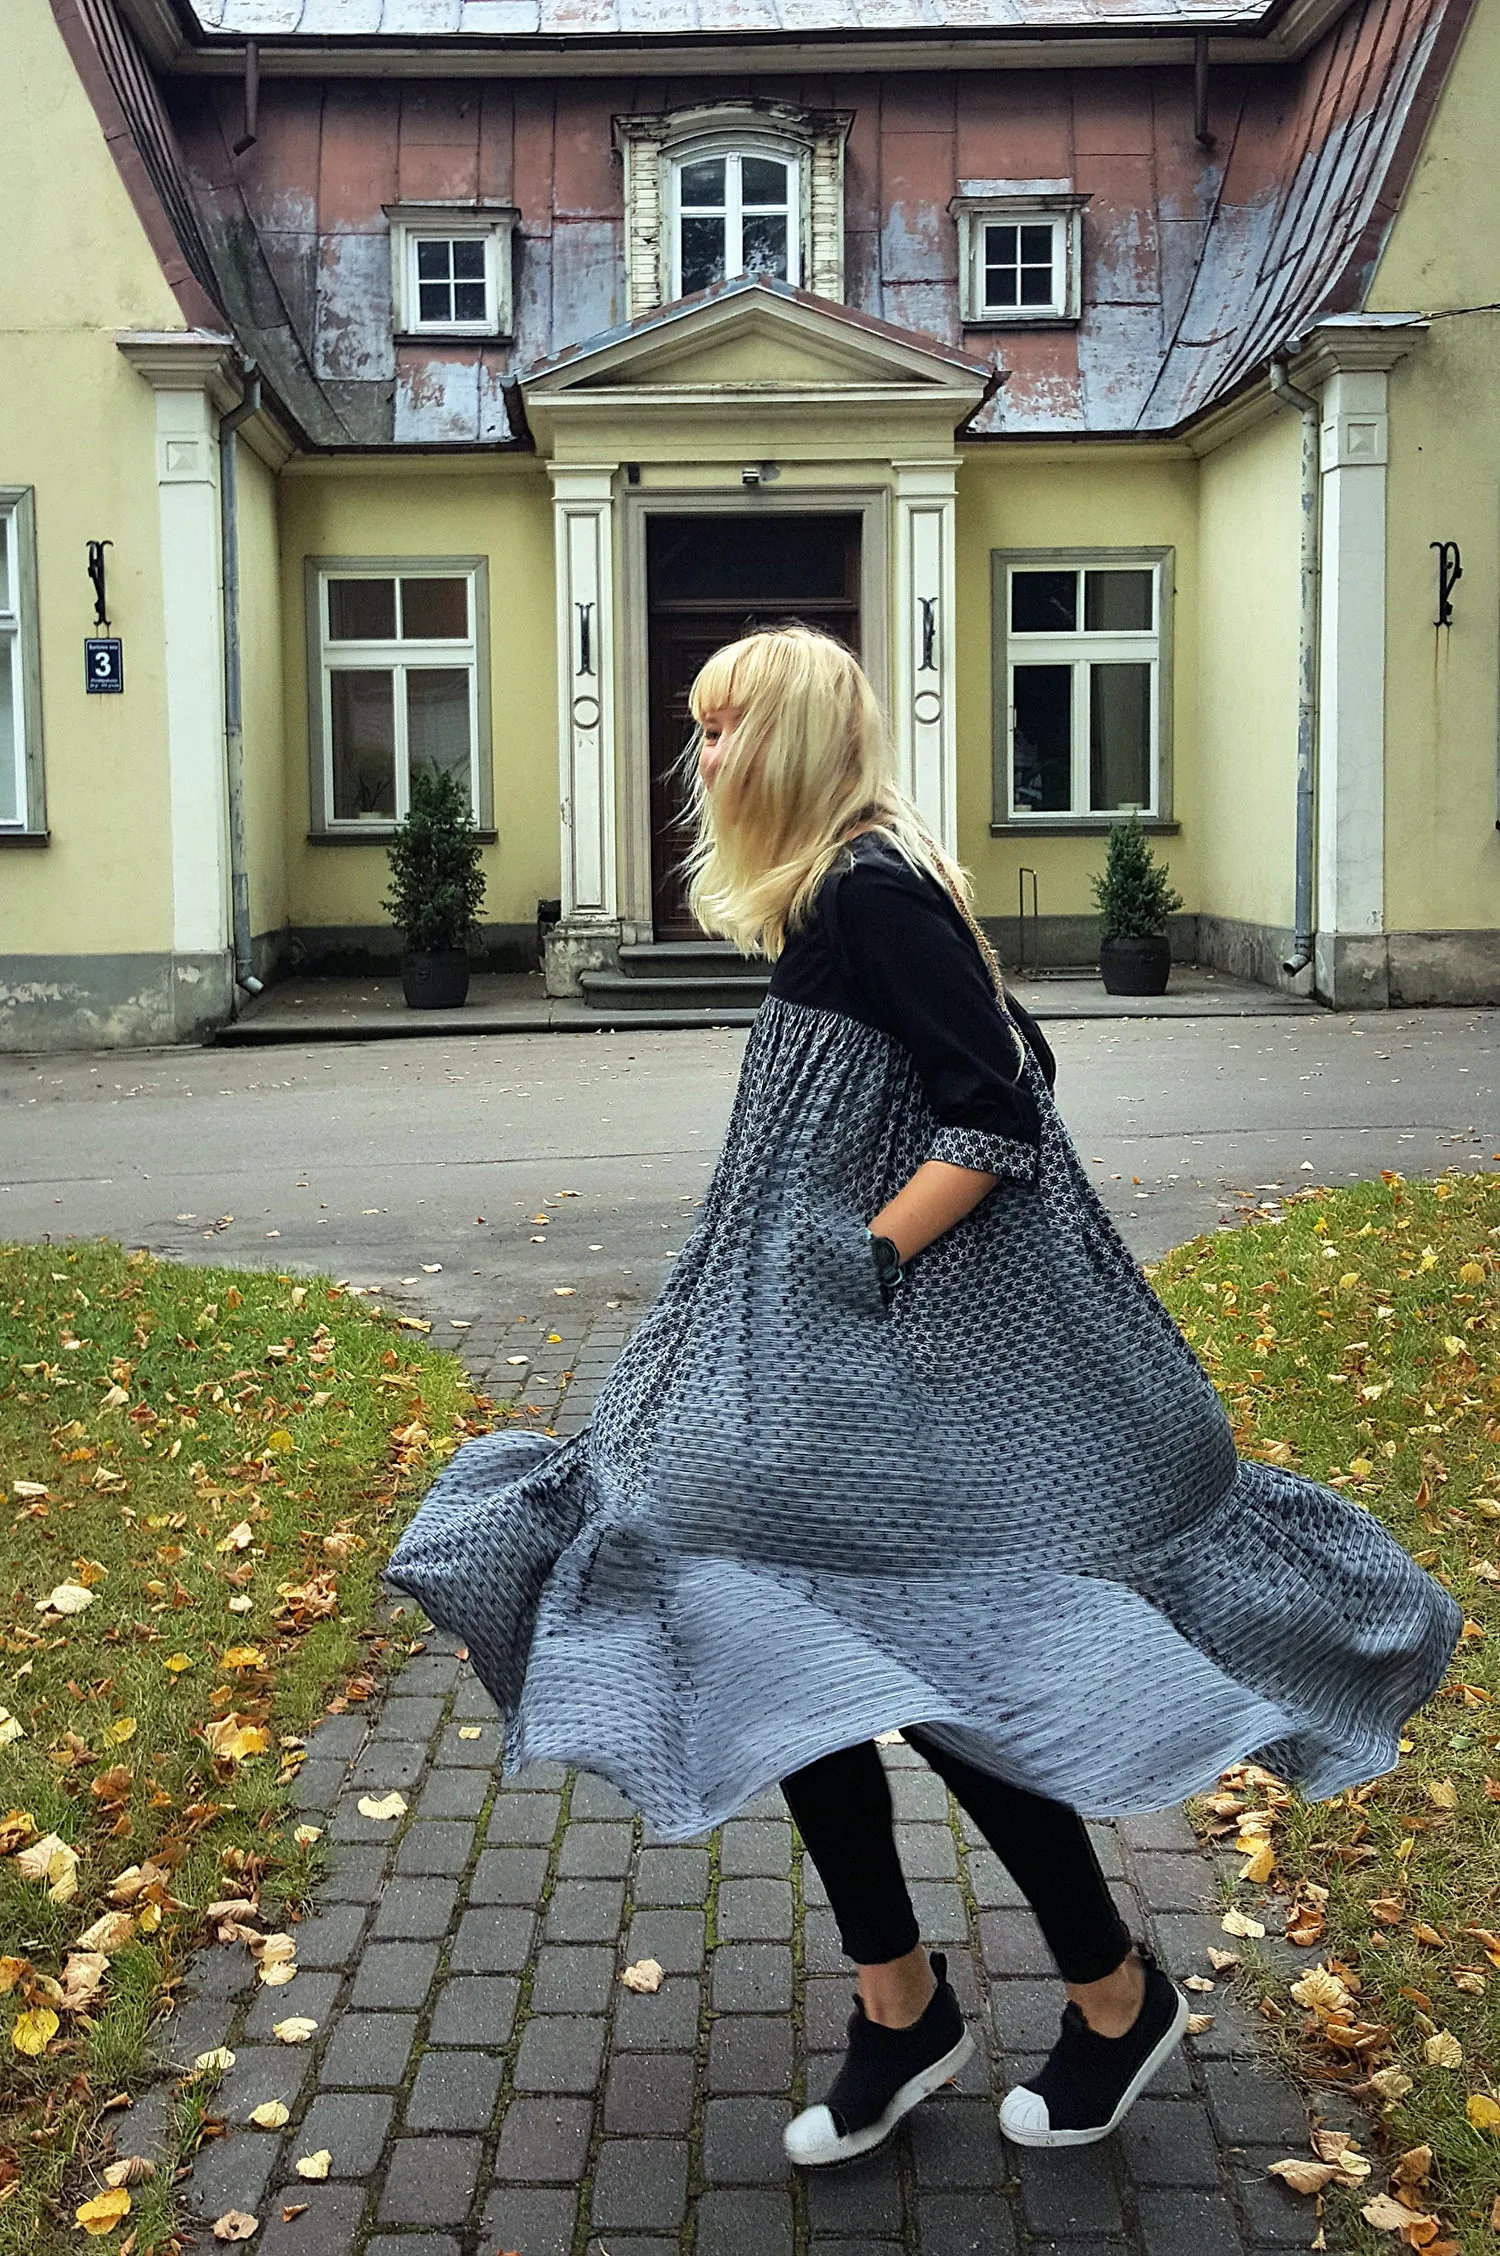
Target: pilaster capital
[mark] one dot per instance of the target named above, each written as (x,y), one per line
(186,360)
(1354,343)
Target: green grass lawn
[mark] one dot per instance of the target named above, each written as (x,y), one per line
(201,1472)
(1358,1340)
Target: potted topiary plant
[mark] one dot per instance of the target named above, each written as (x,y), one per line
(1135,903)
(437,887)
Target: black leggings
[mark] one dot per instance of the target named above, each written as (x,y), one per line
(842,1806)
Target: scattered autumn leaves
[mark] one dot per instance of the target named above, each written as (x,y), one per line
(1356,1335)
(203,1473)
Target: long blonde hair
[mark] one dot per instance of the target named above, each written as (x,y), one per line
(809,763)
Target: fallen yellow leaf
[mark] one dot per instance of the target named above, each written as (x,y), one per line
(32,2031)
(109,1934)
(382,1810)
(177,1662)
(305,1835)
(295,2030)
(315,2165)
(1240,1923)
(120,1730)
(1443,2050)
(1301,2175)
(242,1656)
(103,2213)
(269,2116)
(218,2062)
(1260,1866)
(468,1731)
(11,1728)
(1442,1793)
(1483,2112)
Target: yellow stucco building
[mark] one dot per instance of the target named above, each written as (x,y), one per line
(1124,394)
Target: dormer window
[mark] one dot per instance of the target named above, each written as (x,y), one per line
(732,188)
(451,269)
(1018,253)
(736,212)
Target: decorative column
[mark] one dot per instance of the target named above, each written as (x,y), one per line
(190,376)
(1347,362)
(923,702)
(588,938)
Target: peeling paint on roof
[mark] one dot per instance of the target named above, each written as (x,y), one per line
(1198,263)
(500,19)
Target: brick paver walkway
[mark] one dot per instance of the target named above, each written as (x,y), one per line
(484,2082)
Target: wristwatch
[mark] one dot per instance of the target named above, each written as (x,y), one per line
(887,1263)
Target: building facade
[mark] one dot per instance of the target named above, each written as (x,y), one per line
(389,382)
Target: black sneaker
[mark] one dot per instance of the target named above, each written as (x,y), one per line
(886,2073)
(1089,2083)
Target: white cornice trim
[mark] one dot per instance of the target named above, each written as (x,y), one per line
(1353,341)
(200,360)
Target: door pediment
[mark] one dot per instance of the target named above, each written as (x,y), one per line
(752,344)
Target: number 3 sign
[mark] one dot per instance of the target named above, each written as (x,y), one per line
(103,665)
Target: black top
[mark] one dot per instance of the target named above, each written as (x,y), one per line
(885,943)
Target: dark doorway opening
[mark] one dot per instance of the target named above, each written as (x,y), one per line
(710,580)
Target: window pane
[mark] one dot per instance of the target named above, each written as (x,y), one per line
(468,301)
(1118,602)
(702,183)
(1036,246)
(1043,754)
(434,608)
(437,720)
(702,253)
(432,261)
(361,610)
(1036,285)
(763,245)
(468,261)
(1119,737)
(434,301)
(1001,279)
(10,781)
(1043,602)
(762,181)
(364,743)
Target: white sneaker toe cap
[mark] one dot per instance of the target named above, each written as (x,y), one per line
(811,2137)
(1024,2117)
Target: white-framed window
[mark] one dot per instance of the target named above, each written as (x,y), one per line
(397,681)
(451,269)
(732,188)
(735,210)
(1082,685)
(21,810)
(1019,258)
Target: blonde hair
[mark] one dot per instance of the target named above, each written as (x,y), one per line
(809,763)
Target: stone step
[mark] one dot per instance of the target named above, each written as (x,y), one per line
(691,991)
(689,959)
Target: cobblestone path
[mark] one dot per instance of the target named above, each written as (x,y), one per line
(483,2081)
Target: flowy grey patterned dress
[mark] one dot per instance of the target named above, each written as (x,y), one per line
(1007,1506)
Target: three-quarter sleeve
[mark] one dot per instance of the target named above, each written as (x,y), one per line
(919,975)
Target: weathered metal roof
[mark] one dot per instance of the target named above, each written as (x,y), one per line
(573,20)
(1199,262)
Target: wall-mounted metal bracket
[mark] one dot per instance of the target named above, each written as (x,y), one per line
(96,550)
(1450,572)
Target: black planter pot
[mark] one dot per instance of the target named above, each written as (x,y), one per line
(1135,963)
(435,978)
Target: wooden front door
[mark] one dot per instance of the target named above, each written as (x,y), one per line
(709,581)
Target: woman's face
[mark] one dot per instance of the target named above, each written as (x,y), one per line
(717,734)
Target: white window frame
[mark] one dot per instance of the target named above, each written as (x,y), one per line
(18,627)
(396,656)
(732,149)
(652,147)
(1079,650)
(493,225)
(1052,207)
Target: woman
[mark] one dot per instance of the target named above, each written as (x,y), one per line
(907,1441)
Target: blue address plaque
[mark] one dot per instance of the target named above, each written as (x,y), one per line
(103,665)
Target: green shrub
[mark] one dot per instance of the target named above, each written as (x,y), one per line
(1135,900)
(437,885)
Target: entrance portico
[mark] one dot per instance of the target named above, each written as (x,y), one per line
(751,405)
